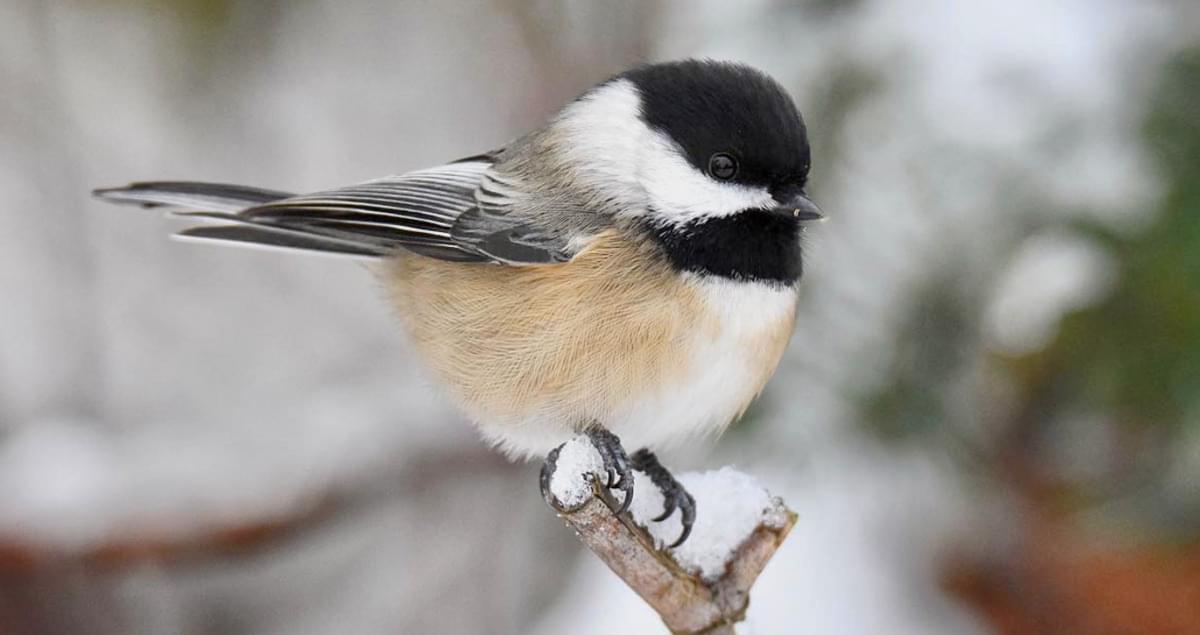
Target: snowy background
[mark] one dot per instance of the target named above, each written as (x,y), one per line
(205,440)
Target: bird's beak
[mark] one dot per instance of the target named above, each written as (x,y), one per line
(801,208)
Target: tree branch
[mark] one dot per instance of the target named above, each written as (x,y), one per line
(687,603)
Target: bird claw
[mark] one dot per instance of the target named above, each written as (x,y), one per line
(548,467)
(616,464)
(617,474)
(675,497)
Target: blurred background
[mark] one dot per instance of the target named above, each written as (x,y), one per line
(988,420)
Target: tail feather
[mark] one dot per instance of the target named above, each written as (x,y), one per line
(222,202)
(249,235)
(219,197)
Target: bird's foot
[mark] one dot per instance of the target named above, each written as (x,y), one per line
(674,495)
(615,468)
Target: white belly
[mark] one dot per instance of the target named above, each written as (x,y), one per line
(727,369)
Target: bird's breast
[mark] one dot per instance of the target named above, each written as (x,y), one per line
(728,356)
(616,336)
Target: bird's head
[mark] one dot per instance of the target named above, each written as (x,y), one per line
(684,142)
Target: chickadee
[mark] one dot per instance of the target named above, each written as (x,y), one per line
(627,270)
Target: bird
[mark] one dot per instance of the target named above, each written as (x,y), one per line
(628,271)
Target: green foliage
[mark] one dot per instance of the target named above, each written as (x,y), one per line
(1137,353)
(1132,360)
(203,14)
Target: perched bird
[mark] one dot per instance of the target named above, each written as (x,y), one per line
(628,270)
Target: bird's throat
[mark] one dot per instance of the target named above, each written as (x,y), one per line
(753,245)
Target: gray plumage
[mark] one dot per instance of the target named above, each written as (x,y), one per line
(517,205)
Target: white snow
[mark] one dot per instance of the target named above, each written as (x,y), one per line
(730,505)
(577,461)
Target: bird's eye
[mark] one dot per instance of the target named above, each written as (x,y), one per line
(722,166)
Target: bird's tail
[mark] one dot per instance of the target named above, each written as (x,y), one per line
(221,203)
(189,195)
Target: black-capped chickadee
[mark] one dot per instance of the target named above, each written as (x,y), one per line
(629,269)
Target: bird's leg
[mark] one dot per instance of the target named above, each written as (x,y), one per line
(674,495)
(618,474)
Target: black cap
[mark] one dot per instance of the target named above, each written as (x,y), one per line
(711,107)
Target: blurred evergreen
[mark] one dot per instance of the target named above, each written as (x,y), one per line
(1137,353)
(1128,366)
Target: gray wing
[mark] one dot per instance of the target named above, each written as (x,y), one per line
(471,210)
(416,211)
(508,223)
(528,211)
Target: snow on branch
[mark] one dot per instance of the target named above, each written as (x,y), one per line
(702,586)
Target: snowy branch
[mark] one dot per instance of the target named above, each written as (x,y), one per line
(703,586)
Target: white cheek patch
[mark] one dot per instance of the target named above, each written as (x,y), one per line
(643,168)
(602,132)
(679,193)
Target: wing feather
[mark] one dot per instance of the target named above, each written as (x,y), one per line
(415,210)
(471,210)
